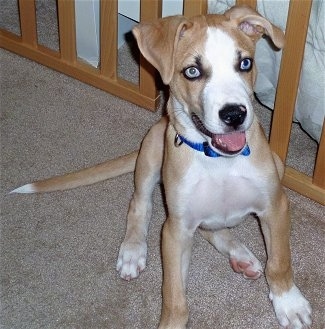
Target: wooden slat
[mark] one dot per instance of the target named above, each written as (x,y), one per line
(303,184)
(251,3)
(28,22)
(319,172)
(296,31)
(195,7)
(67,30)
(149,9)
(108,38)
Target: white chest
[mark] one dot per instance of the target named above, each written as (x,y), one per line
(216,196)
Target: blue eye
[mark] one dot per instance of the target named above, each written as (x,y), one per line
(192,72)
(246,65)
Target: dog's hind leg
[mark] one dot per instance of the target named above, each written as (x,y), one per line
(241,259)
(133,251)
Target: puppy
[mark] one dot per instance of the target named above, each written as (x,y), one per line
(213,158)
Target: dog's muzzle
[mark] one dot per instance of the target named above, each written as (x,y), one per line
(230,143)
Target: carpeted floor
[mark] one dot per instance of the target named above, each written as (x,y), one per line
(58,250)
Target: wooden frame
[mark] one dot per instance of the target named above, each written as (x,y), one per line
(145,94)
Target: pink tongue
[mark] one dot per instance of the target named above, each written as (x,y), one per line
(233,142)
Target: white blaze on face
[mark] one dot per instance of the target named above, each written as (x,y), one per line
(225,85)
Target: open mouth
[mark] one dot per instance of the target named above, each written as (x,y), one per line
(231,143)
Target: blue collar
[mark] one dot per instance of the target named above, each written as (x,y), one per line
(205,147)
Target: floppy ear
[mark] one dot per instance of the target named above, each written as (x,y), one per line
(158,40)
(254,25)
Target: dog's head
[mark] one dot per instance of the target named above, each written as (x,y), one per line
(208,62)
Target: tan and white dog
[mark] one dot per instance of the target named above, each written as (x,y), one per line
(216,164)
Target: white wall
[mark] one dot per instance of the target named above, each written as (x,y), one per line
(87,30)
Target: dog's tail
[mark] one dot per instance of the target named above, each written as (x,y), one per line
(108,169)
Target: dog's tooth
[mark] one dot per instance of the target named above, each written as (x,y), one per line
(221,142)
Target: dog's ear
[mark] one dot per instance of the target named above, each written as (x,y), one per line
(158,40)
(254,25)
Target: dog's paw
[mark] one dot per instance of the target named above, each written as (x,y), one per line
(131,259)
(242,260)
(292,309)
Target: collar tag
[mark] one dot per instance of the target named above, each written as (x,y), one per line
(178,141)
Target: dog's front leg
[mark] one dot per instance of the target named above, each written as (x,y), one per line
(291,307)
(133,251)
(176,252)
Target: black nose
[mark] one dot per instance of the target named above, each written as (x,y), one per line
(233,115)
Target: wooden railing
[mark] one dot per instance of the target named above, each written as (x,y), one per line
(65,60)
(145,94)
